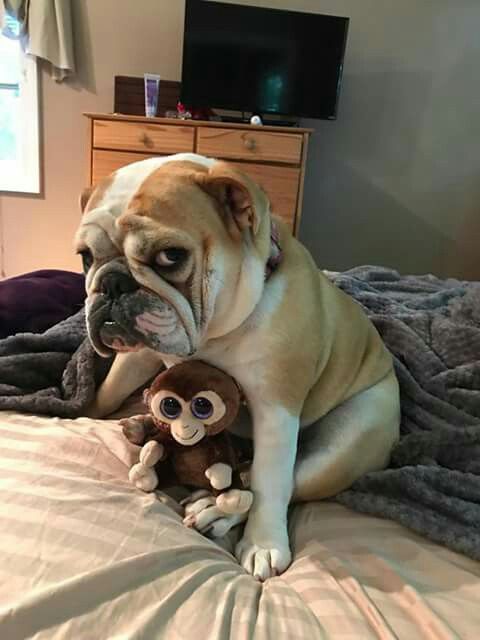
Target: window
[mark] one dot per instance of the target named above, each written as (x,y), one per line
(19,150)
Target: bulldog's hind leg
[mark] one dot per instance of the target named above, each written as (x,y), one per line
(353,439)
(129,371)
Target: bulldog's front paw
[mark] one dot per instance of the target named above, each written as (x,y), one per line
(264,550)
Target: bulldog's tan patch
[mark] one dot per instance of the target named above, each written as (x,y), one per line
(170,191)
(170,196)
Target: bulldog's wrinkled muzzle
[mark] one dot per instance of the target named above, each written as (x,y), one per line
(124,317)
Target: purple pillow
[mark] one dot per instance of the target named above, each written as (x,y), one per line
(35,301)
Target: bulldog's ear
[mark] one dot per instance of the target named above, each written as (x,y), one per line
(85,197)
(235,193)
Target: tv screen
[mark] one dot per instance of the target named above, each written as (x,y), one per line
(264,61)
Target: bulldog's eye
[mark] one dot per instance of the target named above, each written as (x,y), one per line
(87,259)
(170,257)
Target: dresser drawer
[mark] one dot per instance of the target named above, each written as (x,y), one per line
(105,162)
(250,144)
(139,136)
(281,184)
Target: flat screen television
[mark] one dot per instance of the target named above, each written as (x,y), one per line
(265,61)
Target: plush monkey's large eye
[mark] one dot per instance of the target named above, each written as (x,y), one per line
(201,407)
(208,407)
(170,407)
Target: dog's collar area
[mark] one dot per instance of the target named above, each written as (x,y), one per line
(276,253)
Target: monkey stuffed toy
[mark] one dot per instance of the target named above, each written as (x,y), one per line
(184,439)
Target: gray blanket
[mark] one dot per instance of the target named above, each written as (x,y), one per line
(54,373)
(431,326)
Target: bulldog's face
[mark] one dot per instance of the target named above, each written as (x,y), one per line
(172,258)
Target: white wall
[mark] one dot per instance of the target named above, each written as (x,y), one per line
(112,37)
(395,180)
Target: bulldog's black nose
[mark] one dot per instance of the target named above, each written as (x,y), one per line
(114,284)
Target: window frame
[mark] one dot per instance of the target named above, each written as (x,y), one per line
(27,178)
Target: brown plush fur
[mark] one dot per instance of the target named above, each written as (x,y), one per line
(186,465)
(191,377)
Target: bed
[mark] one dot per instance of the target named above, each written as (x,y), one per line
(85,555)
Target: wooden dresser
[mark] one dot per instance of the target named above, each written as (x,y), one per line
(274,157)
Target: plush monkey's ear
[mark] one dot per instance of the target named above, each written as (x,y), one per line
(85,197)
(239,197)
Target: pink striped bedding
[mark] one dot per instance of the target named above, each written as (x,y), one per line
(84,555)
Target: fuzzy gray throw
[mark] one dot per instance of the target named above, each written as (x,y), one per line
(431,326)
(54,373)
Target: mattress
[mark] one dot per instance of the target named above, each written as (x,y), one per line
(85,555)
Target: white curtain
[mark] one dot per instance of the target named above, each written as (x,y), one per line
(45,32)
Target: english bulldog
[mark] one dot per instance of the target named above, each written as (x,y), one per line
(183,259)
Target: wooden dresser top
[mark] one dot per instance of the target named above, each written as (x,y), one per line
(194,123)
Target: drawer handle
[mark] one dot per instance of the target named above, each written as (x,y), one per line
(144,139)
(250,144)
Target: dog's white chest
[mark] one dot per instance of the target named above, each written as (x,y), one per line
(245,352)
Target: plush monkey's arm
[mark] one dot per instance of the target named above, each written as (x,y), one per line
(222,461)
